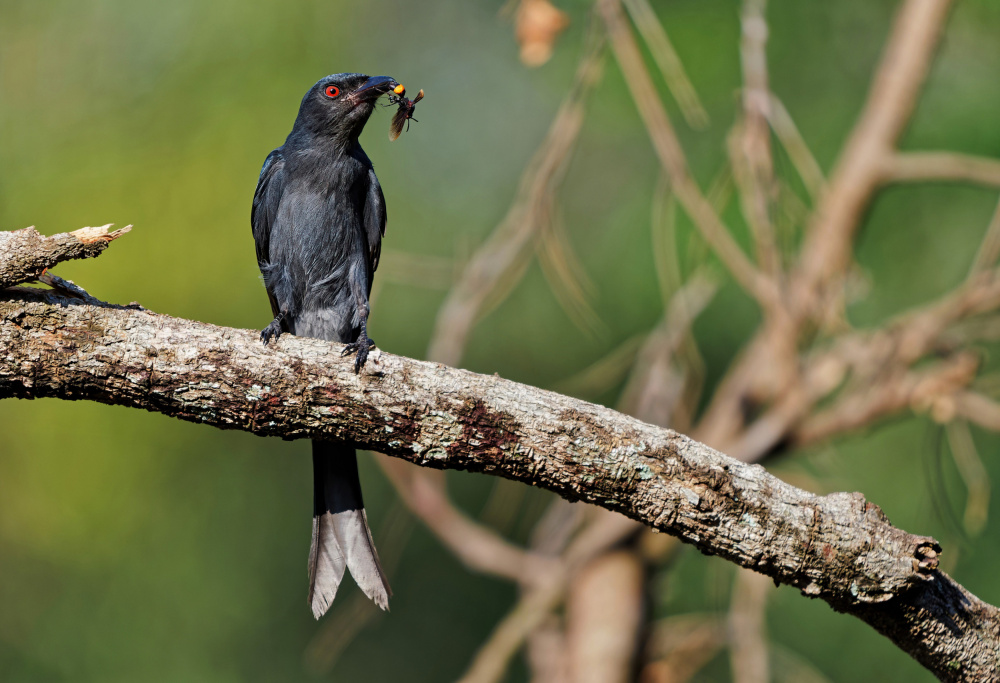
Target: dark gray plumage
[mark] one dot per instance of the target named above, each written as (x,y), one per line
(318,218)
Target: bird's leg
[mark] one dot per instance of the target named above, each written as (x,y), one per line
(360,347)
(273,330)
(360,292)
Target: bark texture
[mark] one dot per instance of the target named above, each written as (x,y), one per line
(839,548)
(25,254)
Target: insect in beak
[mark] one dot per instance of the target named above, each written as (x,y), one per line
(404,111)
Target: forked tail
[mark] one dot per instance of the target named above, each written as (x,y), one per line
(341,538)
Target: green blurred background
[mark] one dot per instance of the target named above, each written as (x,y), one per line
(137,547)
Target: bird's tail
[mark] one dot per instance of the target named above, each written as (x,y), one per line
(341,538)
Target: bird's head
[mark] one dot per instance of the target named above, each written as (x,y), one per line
(338,106)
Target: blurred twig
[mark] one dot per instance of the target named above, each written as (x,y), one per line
(798,151)
(989,248)
(497,264)
(681,646)
(748,645)
(672,158)
(942,167)
(860,170)
(751,139)
(475,545)
(566,277)
(669,63)
(974,474)
(604,618)
(978,409)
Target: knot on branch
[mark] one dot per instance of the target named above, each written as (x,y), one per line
(865,559)
(925,557)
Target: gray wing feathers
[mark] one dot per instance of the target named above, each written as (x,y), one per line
(266,199)
(375,216)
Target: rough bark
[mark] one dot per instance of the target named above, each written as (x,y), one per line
(838,547)
(25,254)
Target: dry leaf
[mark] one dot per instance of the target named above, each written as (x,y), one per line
(537,24)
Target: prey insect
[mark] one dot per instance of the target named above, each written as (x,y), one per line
(404,111)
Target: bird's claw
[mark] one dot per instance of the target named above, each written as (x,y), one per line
(359,347)
(272,331)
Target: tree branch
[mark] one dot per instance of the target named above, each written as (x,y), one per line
(25,255)
(837,547)
(862,165)
(671,155)
(477,546)
(767,369)
(943,167)
(499,262)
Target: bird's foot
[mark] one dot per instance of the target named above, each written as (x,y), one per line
(359,347)
(272,331)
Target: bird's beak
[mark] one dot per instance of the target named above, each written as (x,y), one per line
(374,87)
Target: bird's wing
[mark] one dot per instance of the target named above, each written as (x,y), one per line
(266,198)
(374,219)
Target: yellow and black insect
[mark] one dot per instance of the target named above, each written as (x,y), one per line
(404,111)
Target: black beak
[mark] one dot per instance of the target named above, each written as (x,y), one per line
(374,87)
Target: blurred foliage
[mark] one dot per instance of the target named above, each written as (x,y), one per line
(136,547)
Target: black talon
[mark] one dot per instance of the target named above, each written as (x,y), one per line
(273,330)
(359,347)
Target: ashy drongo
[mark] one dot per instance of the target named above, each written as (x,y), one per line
(318,218)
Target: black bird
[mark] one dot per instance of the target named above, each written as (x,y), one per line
(318,218)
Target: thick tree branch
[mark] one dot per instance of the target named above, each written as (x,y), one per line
(452,419)
(837,547)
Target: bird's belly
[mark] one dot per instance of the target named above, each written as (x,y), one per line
(319,242)
(331,324)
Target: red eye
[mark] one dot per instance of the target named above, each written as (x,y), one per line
(332,91)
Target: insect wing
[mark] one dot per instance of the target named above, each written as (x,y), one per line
(396,126)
